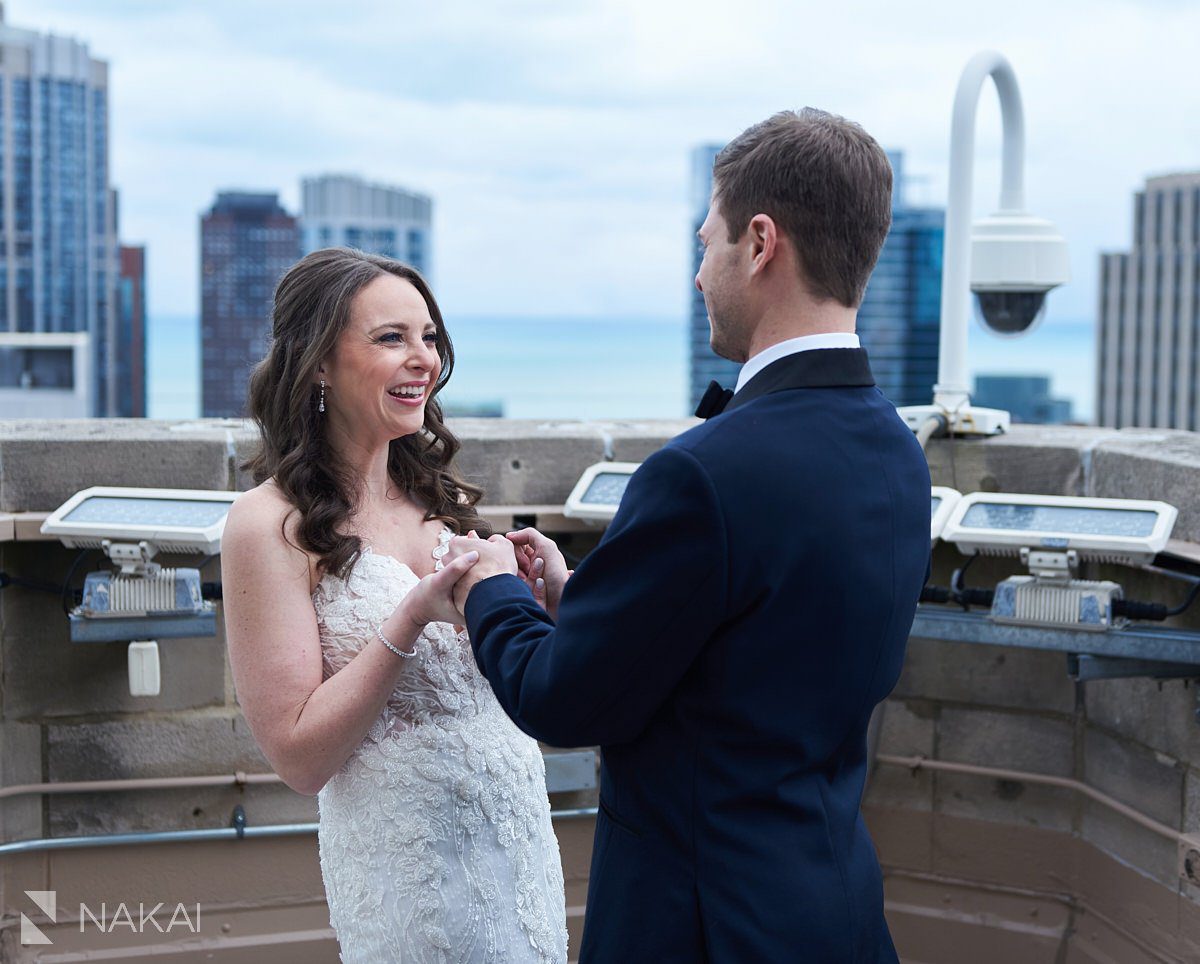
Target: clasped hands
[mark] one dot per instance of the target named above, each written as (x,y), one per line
(526,553)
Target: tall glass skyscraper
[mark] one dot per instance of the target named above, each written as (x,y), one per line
(898,321)
(1148,371)
(704,365)
(343,211)
(58,239)
(247,242)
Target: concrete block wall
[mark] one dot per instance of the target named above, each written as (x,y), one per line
(1136,740)
(65,712)
(65,709)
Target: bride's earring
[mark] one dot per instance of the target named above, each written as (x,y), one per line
(321,403)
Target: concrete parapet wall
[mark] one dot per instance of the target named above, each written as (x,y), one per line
(1093,885)
(65,711)
(516,461)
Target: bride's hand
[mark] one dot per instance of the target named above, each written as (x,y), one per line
(432,599)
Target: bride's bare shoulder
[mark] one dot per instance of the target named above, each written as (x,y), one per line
(261,507)
(263,523)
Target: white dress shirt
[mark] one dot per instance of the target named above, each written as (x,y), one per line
(831,339)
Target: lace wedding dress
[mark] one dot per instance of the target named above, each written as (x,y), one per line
(435,838)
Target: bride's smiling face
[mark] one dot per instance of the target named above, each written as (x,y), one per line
(385,363)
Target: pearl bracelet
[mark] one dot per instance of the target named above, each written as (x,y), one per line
(387,643)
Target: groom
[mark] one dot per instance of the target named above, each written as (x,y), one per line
(726,641)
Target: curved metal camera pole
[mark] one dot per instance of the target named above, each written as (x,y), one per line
(951,411)
(951,392)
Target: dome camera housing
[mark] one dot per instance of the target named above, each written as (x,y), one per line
(1015,260)
(1010,313)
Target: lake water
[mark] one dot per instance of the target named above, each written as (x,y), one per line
(608,368)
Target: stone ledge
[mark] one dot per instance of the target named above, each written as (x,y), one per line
(44,462)
(520,462)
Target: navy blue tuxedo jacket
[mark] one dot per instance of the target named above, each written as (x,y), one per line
(725,644)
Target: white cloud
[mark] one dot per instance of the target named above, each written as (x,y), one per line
(555,137)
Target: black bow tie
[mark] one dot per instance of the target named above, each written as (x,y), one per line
(714,401)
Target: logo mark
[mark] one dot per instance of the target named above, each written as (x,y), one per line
(47,903)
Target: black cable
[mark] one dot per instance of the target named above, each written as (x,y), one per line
(1133,609)
(958,586)
(66,586)
(958,573)
(208,590)
(935,594)
(7,580)
(1191,598)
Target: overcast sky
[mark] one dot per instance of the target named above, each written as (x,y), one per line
(554,135)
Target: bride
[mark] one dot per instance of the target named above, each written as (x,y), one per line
(435,835)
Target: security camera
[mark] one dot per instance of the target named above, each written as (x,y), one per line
(1015,260)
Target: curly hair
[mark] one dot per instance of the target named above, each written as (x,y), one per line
(311,310)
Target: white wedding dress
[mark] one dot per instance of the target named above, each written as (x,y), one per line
(435,837)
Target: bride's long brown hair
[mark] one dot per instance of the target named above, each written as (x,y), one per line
(312,309)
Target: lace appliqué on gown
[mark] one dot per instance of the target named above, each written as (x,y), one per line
(435,836)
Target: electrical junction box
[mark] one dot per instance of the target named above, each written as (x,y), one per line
(1074,604)
(162,604)
(144,676)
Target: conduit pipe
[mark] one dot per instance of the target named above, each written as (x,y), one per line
(915,763)
(187,836)
(934,425)
(140,783)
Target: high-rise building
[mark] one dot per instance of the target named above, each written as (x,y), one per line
(58,237)
(705,365)
(1027,398)
(131,334)
(344,211)
(898,320)
(247,242)
(1149,338)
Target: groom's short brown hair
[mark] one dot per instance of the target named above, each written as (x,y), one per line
(825,183)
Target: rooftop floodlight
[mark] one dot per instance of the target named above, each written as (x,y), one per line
(1009,260)
(139,601)
(1052,535)
(943,502)
(598,492)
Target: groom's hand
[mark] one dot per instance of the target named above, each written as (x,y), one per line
(545,569)
(496,557)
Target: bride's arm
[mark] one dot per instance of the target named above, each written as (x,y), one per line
(306,728)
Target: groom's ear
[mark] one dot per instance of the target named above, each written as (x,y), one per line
(763,235)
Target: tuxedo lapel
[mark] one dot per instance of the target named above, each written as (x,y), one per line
(817,368)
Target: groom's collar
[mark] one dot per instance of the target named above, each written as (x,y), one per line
(771,354)
(821,368)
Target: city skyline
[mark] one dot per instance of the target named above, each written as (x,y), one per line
(573,128)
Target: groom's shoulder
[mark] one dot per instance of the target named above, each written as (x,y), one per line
(695,453)
(693,442)
(718,433)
